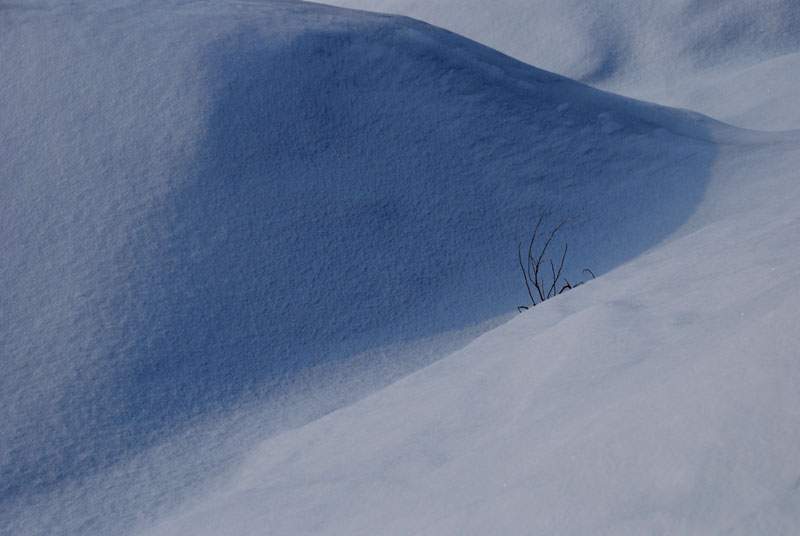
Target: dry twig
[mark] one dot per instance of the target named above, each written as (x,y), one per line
(532,268)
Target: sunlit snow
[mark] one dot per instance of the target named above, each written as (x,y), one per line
(258,268)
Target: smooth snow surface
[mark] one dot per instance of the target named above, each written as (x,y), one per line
(734,60)
(225,224)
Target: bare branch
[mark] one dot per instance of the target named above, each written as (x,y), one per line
(557,275)
(550,239)
(533,277)
(532,272)
(524,275)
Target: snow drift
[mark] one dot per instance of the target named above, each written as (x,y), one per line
(203,203)
(729,59)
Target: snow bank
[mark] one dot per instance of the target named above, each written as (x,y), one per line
(214,210)
(659,399)
(201,202)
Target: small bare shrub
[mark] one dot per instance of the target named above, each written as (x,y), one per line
(541,282)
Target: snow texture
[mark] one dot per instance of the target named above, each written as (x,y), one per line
(244,245)
(735,60)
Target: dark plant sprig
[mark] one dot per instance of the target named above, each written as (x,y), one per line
(532,269)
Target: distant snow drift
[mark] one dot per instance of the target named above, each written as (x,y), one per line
(730,59)
(612,40)
(201,201)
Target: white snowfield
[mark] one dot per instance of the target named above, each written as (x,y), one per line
(247,247)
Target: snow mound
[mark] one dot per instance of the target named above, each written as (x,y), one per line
(659,399)
(203,201)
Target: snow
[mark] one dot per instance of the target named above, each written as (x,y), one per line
(659,399)
(259,269)
(725,59)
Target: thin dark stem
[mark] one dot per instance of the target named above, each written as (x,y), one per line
(550,239)
(538,261)
(533,277)
(565,287)
(532,267)
(552,288)
(524,275)
(560,267)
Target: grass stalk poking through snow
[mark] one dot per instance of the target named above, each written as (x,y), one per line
(540,288)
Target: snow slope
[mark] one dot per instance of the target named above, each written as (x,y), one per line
(659,399)
(630,407)
(222,220)
(729,59)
